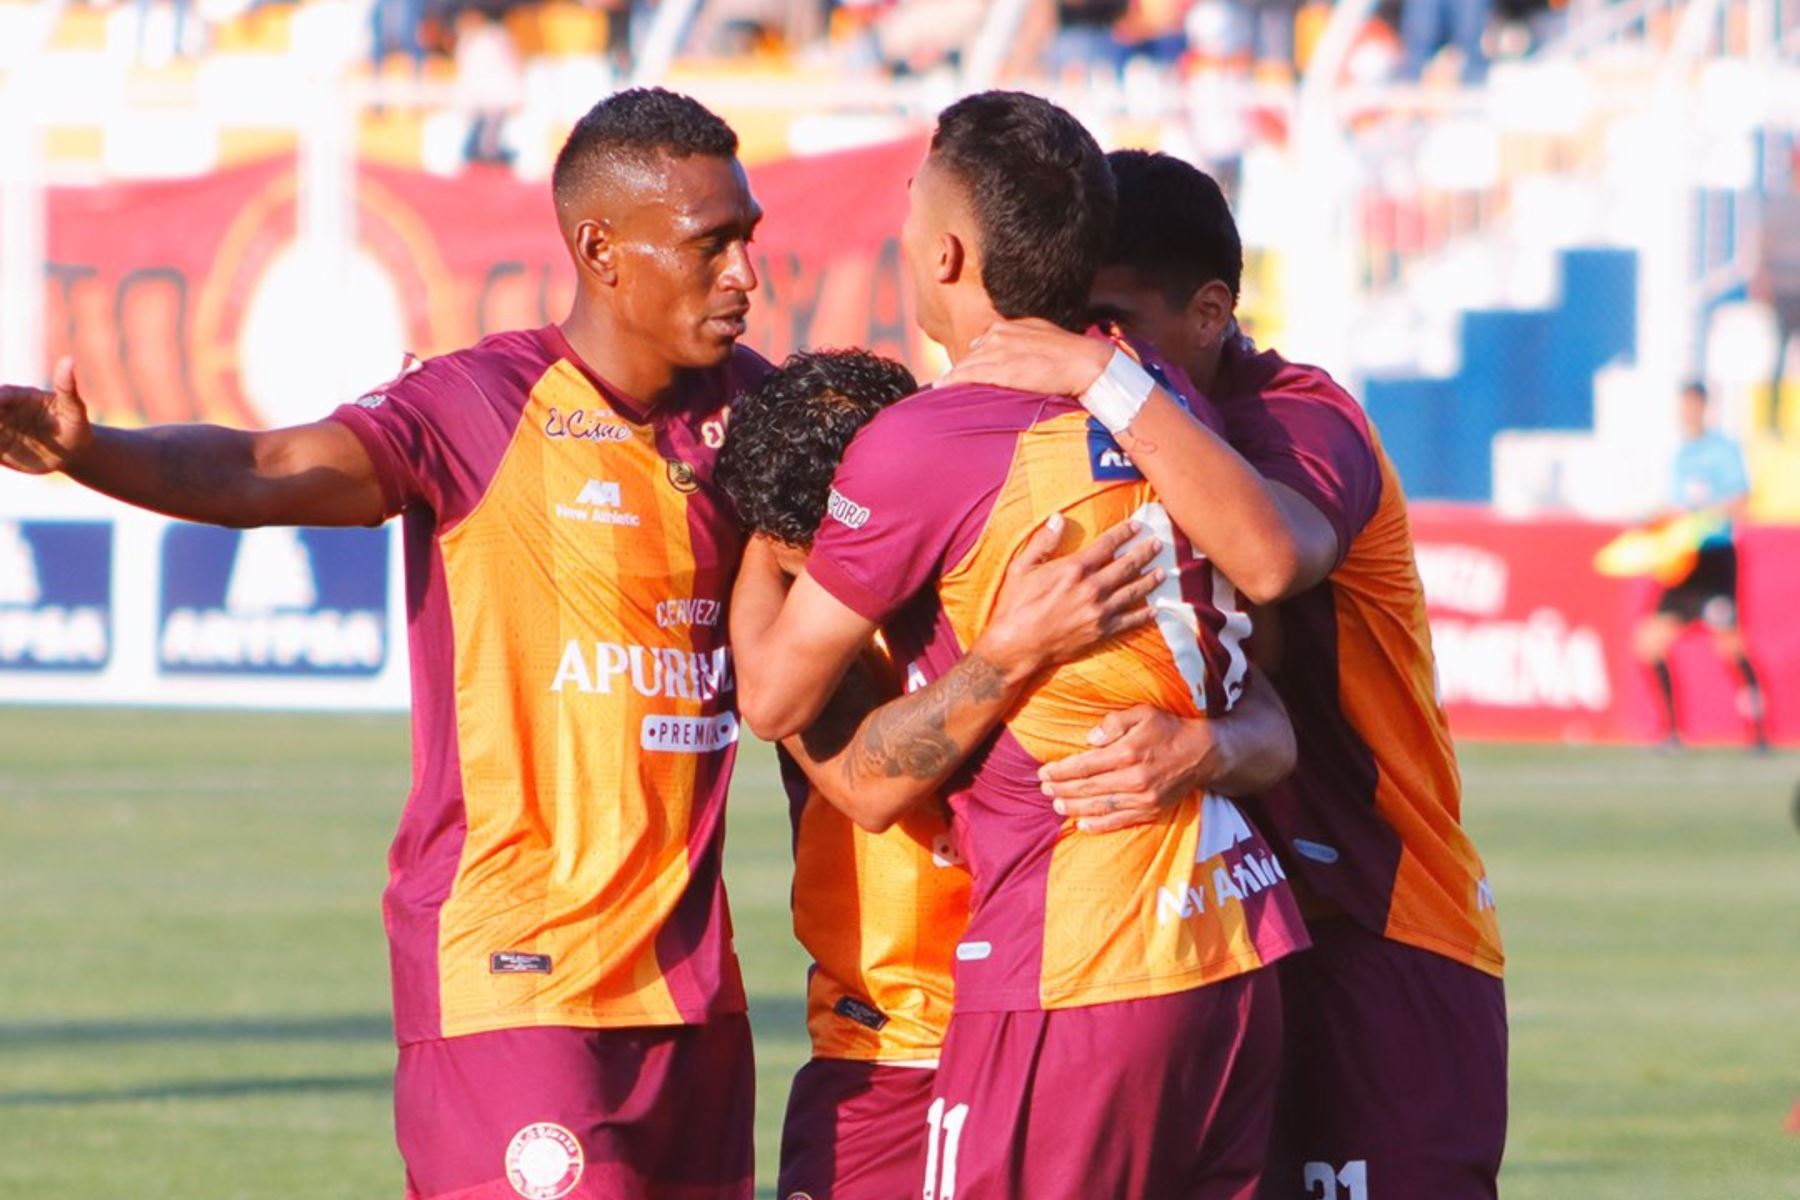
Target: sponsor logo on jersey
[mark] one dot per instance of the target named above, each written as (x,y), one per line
(585,425)
(846,511)
(1319,852)
(273,601)
(55,595)
(1484,895)
(604,668)
(944,852)
(1223,830)
(599,502)
(1104,456)
(544,1161)
(973,951)
(685,612)
(689,735)
(712,433)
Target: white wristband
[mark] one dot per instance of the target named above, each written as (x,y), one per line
(1116,398)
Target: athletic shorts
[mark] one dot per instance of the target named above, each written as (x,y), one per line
(660,1113)
(1394,1082)
(855,1131)
(1167,1097)
(1709,593)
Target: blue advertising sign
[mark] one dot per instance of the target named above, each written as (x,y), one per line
(273,602)
(55,595)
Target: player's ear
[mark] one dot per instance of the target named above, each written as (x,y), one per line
(951,256)
(1210,311)
(596,250)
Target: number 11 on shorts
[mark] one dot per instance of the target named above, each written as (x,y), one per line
(940,1153)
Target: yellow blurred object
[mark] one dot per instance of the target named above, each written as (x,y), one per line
(65,144)
(1763,415)
(571,30)
(245,143)
(1665,550)
(259,31)
(1309,27)
(80,29)
(1774,465)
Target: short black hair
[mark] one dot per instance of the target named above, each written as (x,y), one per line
(637,124)
(1173,226)
(787,436)
(1694,387)
(1042,197)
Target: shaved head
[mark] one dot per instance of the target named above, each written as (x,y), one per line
(620,148)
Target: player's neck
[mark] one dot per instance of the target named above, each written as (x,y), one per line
(623,361)
(968,321)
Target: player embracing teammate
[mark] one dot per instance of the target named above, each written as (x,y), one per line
(567,1000)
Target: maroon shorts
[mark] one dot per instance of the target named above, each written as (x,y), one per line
(1394,1081)
(1167,1097)
(855,1131)
(589,1114)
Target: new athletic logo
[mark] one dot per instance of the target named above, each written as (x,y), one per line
(598,502)
(273,601)
(544,1161)
(55,595)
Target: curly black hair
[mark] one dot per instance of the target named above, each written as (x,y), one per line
(1174,226)
(636,124)
(1043,200)
(787,436)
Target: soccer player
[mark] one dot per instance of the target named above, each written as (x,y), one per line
(1114,1029)
(1709,479)
(567,1002)
(879,907)
(1395,1073)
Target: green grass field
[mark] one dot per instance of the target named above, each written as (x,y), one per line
(193,982)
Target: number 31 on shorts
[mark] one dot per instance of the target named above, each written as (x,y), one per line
(945,1139)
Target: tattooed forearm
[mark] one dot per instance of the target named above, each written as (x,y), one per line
(194,463)
(916,737)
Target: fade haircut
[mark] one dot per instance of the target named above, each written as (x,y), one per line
(634,126)
(787,436)
(1174,227)
(1042,196)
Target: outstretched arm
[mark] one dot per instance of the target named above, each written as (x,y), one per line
(875,761)
(317,474)
(1265,537)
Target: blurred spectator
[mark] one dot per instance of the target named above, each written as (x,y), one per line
(395,29)
(1084,35)
(919,35)
(1154,29)
(1428,26)
(489,80)
(178,15)
(1779,281)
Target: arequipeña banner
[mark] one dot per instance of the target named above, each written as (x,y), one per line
(203,300)
(1533,645)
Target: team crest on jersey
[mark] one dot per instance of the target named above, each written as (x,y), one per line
(544,1161)
(1108,461)
(682,476)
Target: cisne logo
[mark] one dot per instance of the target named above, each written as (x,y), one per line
(304,602)
(55,595)
(1105,457)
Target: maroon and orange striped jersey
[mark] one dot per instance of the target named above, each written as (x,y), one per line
(568,563)
(1370,823)
(1060,918)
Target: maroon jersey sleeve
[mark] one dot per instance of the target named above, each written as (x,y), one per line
(1300,429)
(433,434)
(910,495)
